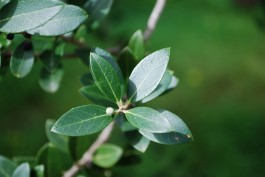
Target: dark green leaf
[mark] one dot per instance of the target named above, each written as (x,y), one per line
(136,44)
(93,93)
(107,155)
(7,167)
(22,60)
(22,170)
(180,133)
(83,54)
(148,119)
(50,60)
(59,141)
(127,62)
(82,120)
(97,9)
(50,82)
(87,79)
(68,19)
(55,161)
(136,140)
(147,74)
(39,171)
(162,86)
(3,2)
(22,15)
(105,77)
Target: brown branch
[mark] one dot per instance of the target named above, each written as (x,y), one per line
(86,159)
(153,19)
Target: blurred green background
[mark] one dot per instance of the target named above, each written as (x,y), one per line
(217,52)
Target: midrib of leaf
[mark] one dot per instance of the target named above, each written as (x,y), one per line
(23,14)
(20,65)
(107,82)
(62,19)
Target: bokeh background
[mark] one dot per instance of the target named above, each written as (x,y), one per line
(217,52)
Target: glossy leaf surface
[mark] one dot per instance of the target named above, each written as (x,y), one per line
(146,76)
(22,15)
(148,119)
(82,120)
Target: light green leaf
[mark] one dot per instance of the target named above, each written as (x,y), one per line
(107,155)
(7,167)
(147,74)
(50,60)
(39,170)
(180,134)
(162,86)
(22,15)
(148,119)
(22,60)
(50,82)
(55,161)
(98,10)
(105,77)
(22,170)
(59,141)
(93,93)
(82,120)
(136,44)
(59,49)
(68,19)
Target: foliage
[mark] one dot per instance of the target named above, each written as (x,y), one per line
(117,93)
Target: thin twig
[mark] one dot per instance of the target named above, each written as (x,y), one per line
(87,156)
(153,19)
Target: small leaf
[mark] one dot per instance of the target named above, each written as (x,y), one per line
(7,167)
(68,19)
(180,133)
(59,141)
(22,60)
(59,49)
(55,161)
(148,119)
(93,93)
(136,44)
(105,77)
(39,171)
(50,82)
(162,86)
(174,82)
(97,9)
(50,60)
(22,170)
(136,140)
(82,120)
(127,62)
(22,15)
(147,74)
(107,155)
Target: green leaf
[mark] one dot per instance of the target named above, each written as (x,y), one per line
(22,60)
(59,141)
(107,155)
(87,79)
(136,140)
(148,119)
(93,93)
(105,77)
(98,10)
(174,82)
(39,171)
(7,167)
(82,120)
(136,44)
(127,62)
(3,2)
(147,74)
(22,170)
(50,82)
(180,133)
(83,54)
(59,49)
(50,60)
(55,161)
(22,15)
(162,86)
(68,19)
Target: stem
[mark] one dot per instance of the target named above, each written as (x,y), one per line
(87,156)
(153,19)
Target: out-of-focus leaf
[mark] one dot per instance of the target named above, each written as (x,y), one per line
(22,60)
(83,54)
(146,76)
(59,141)
(22,15)
(39,171)
(22,170)
(82,120)
(3,2)
(107,155)
(50,60)
(7,167)
(21,159)
(87,79)
(59,49)
(136,44)
(50,82)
